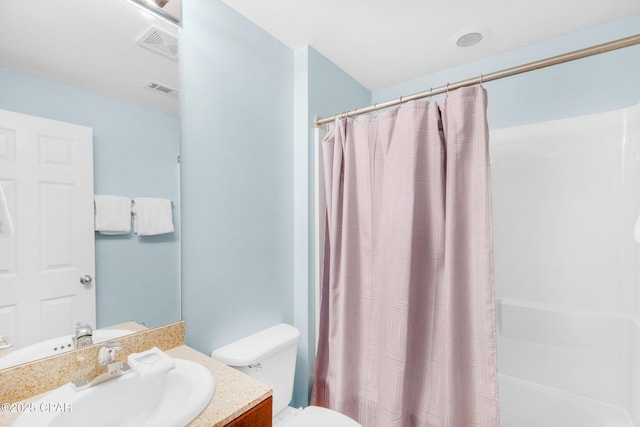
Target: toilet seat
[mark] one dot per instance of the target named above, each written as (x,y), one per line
(315,416)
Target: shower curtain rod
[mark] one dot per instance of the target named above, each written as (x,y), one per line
(524,68)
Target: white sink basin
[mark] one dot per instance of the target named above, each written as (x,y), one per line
(173,399)
(55,346)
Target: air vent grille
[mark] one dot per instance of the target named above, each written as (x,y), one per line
(161,88)
(160,42)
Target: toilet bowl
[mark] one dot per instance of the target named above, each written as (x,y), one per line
(270,357)
(313,416)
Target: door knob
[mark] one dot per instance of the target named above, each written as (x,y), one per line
(86,279)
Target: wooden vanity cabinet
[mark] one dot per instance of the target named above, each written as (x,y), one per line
(258,416)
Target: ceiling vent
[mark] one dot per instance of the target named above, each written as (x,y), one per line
(160,42)
(157,87)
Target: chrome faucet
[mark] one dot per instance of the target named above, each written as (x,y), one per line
(84,335)
(106,368)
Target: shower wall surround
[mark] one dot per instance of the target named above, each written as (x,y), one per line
(566,195)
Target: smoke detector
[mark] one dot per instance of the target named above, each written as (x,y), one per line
(469,36)
(161,42)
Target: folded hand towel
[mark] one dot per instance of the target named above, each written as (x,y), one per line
(151,362)
(152,216)
(113,214)
(6,226)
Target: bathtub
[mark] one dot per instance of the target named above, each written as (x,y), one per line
(527,404)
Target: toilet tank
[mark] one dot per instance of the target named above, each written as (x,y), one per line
(269,356)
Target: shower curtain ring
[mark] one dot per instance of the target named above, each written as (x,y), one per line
(481,78)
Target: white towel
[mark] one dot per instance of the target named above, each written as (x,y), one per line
(112,214)
(150,363)
(152,216)
(6,226)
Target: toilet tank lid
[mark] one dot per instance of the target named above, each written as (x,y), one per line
(257,346)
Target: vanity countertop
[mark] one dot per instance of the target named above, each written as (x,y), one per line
(235,392)
(131,326)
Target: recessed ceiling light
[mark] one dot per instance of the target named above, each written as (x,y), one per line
(469,36)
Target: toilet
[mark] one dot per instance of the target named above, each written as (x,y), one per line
(270,357)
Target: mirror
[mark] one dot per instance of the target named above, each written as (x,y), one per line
(113,67)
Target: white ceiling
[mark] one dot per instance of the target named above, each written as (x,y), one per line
(384,42)
(91,44)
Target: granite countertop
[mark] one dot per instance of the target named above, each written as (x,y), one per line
(235,392)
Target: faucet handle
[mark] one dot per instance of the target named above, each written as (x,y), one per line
(83,329)
(107,353)
(84,334)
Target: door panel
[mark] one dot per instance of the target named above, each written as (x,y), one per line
(46,172)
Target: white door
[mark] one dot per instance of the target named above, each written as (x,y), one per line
(46,172)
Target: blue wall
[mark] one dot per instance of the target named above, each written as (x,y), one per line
(247,180)
(599,83)
(247,242)
(321,88)
(237,135)
(135,151)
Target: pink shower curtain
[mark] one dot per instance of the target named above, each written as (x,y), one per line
(407,325)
